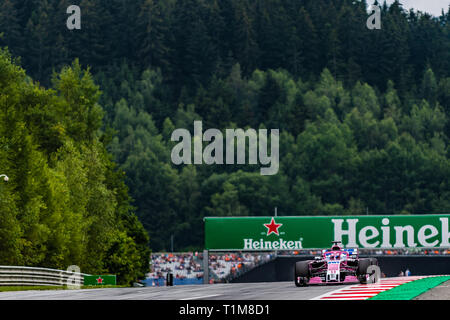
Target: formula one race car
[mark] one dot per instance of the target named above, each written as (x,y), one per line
(336,265)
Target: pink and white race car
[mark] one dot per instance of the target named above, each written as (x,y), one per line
(336,265)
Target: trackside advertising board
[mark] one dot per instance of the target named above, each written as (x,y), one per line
(99,280)
(311,232)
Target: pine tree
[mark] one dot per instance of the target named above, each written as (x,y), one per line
(429,88)
(39,44)
(245,44)
(308,45)
(152,49)
(10,27)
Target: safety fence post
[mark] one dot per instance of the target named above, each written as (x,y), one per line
(205,267)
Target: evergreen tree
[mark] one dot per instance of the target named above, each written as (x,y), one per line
(153,50)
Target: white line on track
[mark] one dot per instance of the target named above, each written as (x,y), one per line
(329,293)
(365,291)
(201,297)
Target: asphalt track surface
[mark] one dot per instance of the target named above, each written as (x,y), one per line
(230,291)
(441,292)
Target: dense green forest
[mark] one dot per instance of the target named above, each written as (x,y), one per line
(364,115)
(66,202)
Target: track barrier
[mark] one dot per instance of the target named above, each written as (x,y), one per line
(31,276)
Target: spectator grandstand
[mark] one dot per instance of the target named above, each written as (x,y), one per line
(181,265)
(226,266)
(187,267)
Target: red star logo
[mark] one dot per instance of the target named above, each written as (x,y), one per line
(273,227)
(100,280)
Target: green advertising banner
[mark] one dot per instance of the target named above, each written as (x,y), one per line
(99,280)
(310,232)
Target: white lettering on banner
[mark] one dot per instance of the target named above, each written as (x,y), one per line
(399,231)
(248,243)
(364,238)
(351,232)
(422,237)
(369,236)
(283,244)
(290,244)
(280,244)
(386,234)
(445,233)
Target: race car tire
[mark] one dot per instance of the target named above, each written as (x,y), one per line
(301,273)
(303,282)
(297,284)
(362,279)
(302,269)
(363,264)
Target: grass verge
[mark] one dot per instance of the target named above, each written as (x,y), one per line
(410,290)
(26,288)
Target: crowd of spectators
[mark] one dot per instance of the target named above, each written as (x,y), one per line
(188,265)
(226,266)
(181,265)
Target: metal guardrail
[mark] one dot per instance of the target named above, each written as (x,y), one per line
(30,276)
